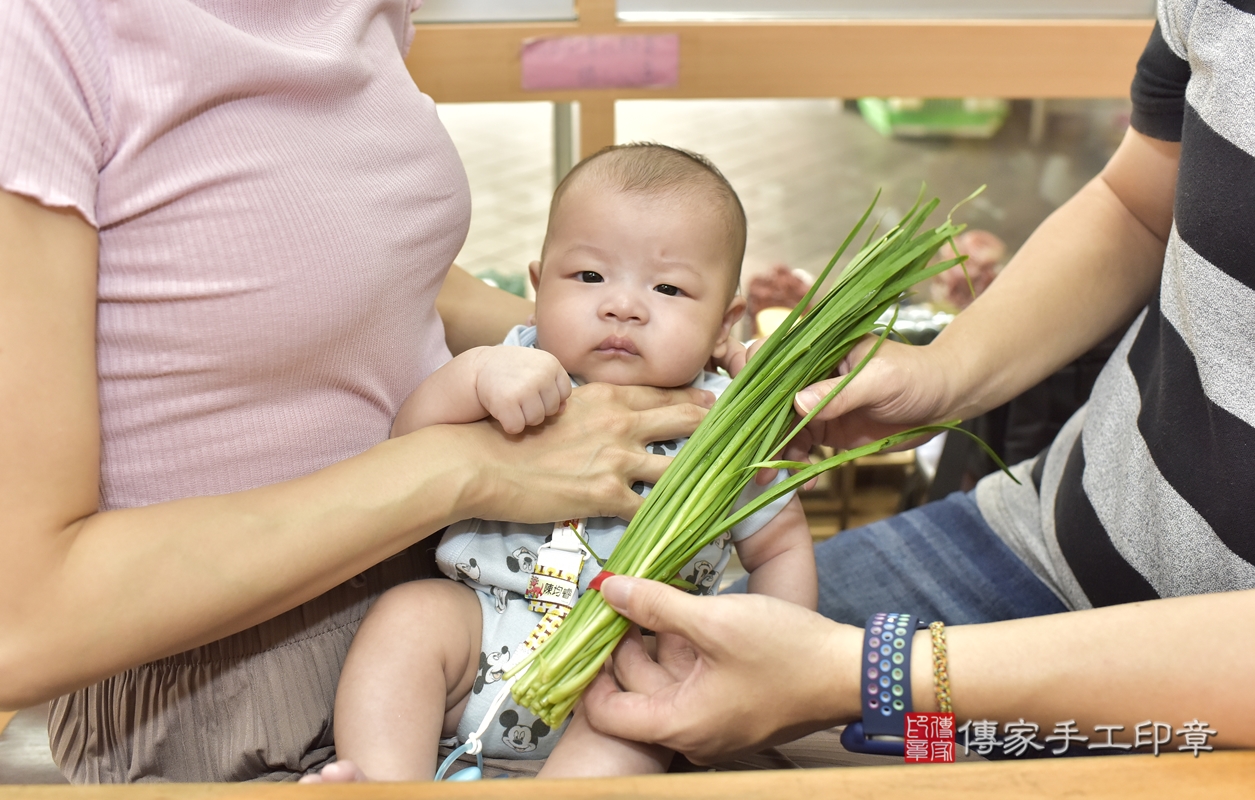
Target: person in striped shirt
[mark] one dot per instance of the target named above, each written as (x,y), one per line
(1137,519)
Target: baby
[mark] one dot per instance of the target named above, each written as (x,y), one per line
(637,284)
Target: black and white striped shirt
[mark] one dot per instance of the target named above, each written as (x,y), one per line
(1149,491)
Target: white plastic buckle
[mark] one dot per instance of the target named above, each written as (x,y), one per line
(555,578)
(564,551)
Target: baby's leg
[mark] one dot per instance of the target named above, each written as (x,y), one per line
(408,672)
(583,752)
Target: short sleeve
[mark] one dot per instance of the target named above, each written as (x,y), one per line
(1158,90)
(756,521)
(53,102)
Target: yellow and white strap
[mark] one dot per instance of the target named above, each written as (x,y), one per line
(555,582)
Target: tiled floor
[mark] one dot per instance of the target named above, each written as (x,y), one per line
(805,169)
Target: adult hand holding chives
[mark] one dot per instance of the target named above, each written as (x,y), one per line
(732,673)
(898,389)
(903,386)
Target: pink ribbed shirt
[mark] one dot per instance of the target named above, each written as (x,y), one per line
(277,205)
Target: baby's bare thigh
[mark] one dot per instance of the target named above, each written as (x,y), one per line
(437,622)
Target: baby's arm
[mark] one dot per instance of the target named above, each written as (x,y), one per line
(780,558)
(517,386)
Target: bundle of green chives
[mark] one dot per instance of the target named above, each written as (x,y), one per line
(751,422)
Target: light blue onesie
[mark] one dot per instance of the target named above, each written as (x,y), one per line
(496,559)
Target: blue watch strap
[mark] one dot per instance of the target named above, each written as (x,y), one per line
(854,740)
(886,671)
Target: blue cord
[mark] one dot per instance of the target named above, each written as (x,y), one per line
(477,772)
(475,741)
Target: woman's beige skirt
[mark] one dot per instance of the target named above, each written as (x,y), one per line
(253,706)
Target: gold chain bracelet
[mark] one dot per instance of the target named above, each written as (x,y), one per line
(941,668)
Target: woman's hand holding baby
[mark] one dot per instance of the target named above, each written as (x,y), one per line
(582,462)
(520,386)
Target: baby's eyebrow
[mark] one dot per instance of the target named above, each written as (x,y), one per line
(588,248)
(678,264)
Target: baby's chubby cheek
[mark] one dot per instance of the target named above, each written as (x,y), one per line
(677,372)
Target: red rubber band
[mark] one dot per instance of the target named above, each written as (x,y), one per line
(595,584)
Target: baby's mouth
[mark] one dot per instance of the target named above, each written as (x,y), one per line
(617,345)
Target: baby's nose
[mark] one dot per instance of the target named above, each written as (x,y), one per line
(625,307)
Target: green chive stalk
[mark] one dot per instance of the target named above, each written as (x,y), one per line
(752,421)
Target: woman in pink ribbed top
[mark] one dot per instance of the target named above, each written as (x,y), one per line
(223,229)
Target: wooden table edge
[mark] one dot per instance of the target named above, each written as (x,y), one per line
(1215,776)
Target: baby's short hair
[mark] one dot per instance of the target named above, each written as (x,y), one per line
(652,168)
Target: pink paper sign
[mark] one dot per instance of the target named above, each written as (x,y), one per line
(601,62)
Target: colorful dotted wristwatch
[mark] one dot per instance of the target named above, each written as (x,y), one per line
(886,685)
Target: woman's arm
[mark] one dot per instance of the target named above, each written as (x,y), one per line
(1164,660)
(793,672)
(85,594)
(1088,268)
(476,314)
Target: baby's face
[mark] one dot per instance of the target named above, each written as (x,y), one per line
(635,287)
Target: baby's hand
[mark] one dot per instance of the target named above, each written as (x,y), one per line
(519,386)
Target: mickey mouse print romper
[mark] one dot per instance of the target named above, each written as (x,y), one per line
(497,559)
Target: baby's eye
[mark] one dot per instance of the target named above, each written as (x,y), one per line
(588,276)
(668,289)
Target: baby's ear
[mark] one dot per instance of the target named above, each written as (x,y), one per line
(533,273)
(733,314)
